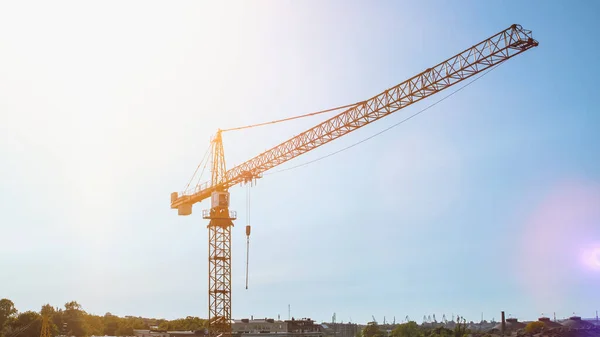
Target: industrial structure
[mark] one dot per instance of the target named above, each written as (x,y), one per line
(509,325)
(45,331)
(473,60)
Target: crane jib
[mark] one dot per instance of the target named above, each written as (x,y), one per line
(484,55)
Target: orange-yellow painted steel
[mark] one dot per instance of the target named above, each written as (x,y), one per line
(219,270)
(480,57)
(484,55)
(45,331)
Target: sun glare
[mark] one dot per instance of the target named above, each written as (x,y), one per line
(591,258)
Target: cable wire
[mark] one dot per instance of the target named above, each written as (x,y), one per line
(202,173)
(388,128)
(247,233)
(292,118)
(23,329)
(198,167)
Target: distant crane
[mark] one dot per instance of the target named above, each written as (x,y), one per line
(482,56)
(334,325)
(46,331)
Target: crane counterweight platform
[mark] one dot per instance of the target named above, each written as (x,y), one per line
(480,57)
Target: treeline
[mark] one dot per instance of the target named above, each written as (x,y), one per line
(412,329)
(72,320)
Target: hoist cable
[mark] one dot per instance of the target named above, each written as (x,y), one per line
(388,128)
(247,233)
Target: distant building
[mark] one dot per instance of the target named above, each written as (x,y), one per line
(250,328)
(198,333)
(548,323)
(593,320)
(150,333)
(258,326)
(512,325)
(164,333)
(340,329)
(575,322)
(290,328)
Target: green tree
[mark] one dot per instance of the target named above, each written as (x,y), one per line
(460,329)
(164,325)
(7,311)
(135,322)
(27,324)
(125,328)
(111,324)
(372,330)
(441,332)
(126,325)
(49,311)
(190,323)
(409,329)
(57,319)
(534,327)
(73,305)
(94,325)
(74,317)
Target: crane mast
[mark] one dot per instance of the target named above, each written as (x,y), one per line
(480,57)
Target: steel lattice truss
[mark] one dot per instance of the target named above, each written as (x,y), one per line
(46,330)
(219,271)
(488,53)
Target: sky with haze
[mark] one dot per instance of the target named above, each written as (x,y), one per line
(488,201)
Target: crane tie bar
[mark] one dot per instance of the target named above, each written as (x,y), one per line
(292,118)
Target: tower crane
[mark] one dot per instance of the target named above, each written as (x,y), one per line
(482,56)
(45,331)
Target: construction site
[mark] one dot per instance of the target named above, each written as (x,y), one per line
(153,269)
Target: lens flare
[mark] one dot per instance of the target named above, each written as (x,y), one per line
(560,242)
(591,258)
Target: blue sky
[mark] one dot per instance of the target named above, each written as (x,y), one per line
(488,201)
